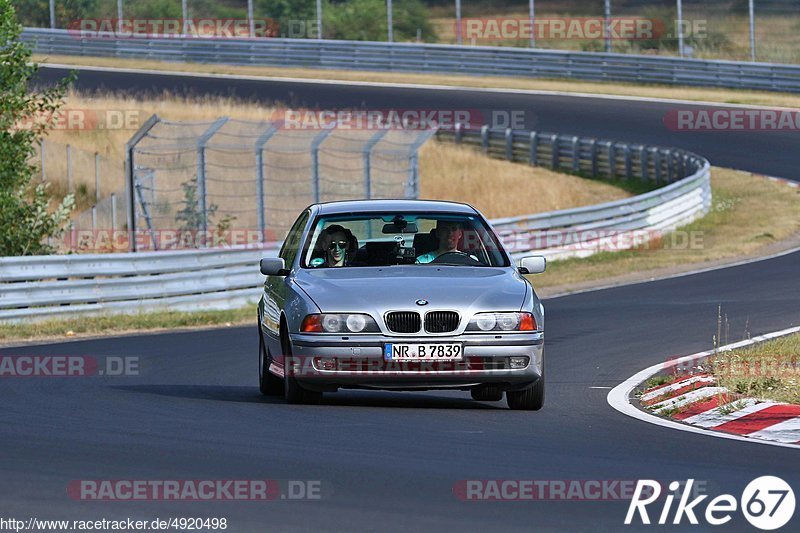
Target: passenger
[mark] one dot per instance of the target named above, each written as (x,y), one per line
(338,244)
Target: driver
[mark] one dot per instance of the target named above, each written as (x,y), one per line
(449,234)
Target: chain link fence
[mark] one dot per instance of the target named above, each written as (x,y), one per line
(96,182)
(207,183)
(206,179)
(711,30)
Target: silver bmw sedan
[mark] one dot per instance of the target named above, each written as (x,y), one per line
(399,295)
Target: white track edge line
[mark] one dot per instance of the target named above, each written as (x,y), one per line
(618,396)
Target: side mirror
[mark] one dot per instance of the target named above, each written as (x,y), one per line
(532,264)
(273,266)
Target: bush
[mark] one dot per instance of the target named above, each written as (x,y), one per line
(366,20)
(25,220)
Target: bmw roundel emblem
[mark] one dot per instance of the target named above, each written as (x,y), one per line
(422,302)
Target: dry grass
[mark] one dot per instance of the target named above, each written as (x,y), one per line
(748,213)
(500,188)
(769,371)
(728,96)
(447,171)
(780,45)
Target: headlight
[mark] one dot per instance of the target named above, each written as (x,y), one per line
(339,323)
(511,321)
(486,321)
(356,323)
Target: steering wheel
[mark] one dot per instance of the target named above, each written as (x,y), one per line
(457,258)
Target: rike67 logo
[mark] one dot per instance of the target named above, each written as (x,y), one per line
(767,503)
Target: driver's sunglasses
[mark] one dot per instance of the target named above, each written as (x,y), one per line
(337,244)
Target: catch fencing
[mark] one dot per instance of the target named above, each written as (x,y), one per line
(229,173)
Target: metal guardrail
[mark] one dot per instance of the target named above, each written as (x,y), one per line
(683,179)
(55,286)
(426,58)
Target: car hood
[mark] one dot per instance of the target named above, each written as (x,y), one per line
(380,289)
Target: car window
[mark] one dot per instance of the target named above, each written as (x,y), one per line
(291,243)
(402,238)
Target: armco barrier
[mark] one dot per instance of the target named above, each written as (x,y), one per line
(57,286)
(683,179)
(425,58)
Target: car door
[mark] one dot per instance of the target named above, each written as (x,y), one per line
(276,288)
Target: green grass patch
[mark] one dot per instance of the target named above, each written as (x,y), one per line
(768,371)
(118,324)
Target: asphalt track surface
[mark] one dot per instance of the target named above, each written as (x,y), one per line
(767,152)
(389,461)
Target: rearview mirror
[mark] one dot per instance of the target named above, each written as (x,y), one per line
(405,227)
(273,266)
(532,264)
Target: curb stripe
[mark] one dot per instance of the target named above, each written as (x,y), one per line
(785,431)
(714,417)
(755,422)
(675,386)
(688,398)
(703,407)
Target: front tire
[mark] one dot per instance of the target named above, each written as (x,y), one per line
(531,399)
(268,383)
(294,393)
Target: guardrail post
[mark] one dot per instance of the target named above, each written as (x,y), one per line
(534,146)
(643,162)
(554,151)
(657,162)
(485,138)
(130,192)
(628,162)
(458,132)
(670,165)
(202,201)
(509,144)
(259,148)
(368,161)
(612,161)
(576,154)
(315,160)
(593,146)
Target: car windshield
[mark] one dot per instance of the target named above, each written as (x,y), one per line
(401,238)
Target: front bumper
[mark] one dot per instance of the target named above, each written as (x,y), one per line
(360,362)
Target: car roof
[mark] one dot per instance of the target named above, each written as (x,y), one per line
(365,206)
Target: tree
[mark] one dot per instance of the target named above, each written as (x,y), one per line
(37,12)
(25,116)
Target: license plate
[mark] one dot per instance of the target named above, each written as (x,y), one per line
(422,352)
